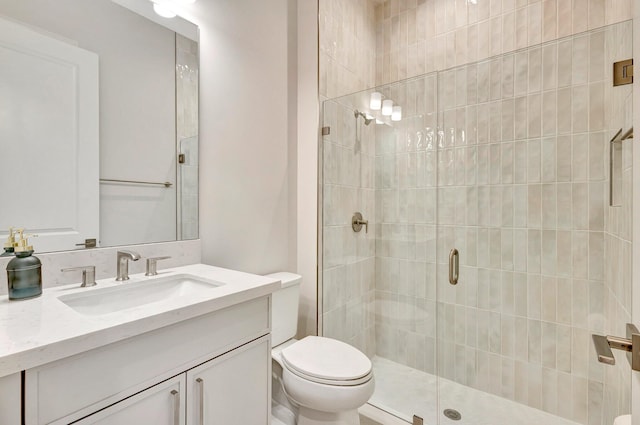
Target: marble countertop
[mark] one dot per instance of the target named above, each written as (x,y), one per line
(44,329)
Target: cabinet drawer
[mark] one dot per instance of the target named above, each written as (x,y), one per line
(74,387)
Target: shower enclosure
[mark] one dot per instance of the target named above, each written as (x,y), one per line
(487,252)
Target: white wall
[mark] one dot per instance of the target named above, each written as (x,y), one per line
(258,127)
(244,162)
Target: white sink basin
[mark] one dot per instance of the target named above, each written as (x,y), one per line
(129,295)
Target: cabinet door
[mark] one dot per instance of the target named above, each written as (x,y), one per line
(10,399)
(162,404)
(233,389)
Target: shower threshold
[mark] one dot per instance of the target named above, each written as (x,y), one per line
(403,391)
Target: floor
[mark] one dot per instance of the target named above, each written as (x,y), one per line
(403,392)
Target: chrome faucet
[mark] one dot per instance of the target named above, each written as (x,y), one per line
(123,263)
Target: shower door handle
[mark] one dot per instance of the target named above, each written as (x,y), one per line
(454,266)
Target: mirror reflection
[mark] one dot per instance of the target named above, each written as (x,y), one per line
(98,125)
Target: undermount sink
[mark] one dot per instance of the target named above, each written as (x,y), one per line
(96,302)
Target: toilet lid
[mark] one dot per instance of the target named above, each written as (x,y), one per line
(327,360)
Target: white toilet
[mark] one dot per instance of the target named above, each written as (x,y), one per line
(317,380)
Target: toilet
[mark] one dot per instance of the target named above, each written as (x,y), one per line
(316,380)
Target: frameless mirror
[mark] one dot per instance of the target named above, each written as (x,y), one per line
(98,123)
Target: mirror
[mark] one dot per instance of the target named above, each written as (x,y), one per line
(98,123)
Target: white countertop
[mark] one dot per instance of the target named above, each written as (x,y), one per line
(44,329)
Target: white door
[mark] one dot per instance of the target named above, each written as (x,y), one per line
(233,389)
(48,138)
(162,404)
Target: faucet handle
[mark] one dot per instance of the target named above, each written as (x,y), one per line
(88,274)
(152,264)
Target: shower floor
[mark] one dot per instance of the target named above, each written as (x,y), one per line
(403,392)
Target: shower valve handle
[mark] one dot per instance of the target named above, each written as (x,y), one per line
(357,222)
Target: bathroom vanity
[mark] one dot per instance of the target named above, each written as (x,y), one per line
(164,350)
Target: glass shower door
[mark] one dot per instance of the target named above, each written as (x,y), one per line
(379,281)
(523,191)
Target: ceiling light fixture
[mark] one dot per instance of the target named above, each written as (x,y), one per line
(375,101)
(163,10)
(387,107)
(396,115)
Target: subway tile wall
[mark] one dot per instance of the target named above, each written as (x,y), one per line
(414,37)
(347,57)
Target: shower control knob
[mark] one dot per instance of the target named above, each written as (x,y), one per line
(357,222)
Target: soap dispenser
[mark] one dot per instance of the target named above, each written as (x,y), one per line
(24,272)
(10,244)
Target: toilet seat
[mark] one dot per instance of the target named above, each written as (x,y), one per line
(327,361)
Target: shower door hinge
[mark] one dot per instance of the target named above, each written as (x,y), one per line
(623,72)
(417,420)
(326,131)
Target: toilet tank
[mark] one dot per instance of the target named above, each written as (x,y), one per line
(284,307)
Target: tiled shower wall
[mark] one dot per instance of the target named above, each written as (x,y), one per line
(414,37)
(347,56)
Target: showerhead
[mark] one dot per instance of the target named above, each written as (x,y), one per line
(367,120)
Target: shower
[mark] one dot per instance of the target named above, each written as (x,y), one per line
(367,120)
(504,159)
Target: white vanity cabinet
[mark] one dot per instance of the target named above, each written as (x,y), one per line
(141,380)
